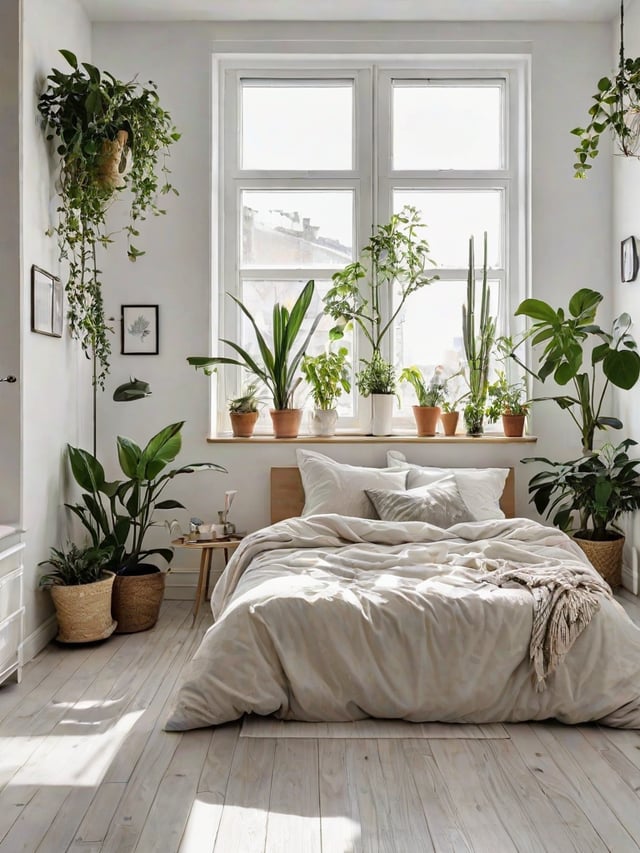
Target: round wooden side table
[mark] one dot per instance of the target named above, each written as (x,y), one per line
(206,548)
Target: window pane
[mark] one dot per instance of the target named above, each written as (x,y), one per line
(452,216)
(429,333)
(306,125)
(447,127)
(297,229)
(260,297)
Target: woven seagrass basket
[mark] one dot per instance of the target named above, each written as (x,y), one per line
(136,601)
(605,557)
(84,611)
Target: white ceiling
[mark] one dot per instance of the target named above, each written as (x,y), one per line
(351,10)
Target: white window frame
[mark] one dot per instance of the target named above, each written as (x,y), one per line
(372,77)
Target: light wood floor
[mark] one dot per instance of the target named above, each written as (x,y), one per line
(85,767)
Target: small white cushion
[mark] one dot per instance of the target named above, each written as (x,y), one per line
(330,486)
(481,488)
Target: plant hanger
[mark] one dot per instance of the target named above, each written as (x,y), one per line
(616,108)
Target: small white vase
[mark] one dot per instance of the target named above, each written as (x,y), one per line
(381,414)
(323,422)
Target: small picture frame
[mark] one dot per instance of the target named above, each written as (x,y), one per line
(628,259)
(139,330)
(47,308)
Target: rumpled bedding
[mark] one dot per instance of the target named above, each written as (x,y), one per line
(331,618)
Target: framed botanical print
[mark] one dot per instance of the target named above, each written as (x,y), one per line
(139,330)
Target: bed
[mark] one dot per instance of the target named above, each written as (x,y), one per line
(333,616)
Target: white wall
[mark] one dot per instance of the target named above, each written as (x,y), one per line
(626,297)
(56,380)
(570,224)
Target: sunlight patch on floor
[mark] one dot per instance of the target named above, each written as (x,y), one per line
(76,760)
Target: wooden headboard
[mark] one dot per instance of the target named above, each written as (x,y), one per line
(287,494)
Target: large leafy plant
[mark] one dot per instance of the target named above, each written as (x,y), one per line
(276,367)
(579,353)
(119,514)
(393,265)
(84,111)
(598,487)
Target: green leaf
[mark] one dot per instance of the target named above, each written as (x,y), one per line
(584,301)
(87,471)
(128,456)
(536,309)
(604,84)
(160,450)
(622,368)
(70,57)
(170,504)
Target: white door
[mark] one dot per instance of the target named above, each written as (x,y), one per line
(10,275)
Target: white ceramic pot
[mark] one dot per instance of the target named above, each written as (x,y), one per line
(323,422)
(381,414)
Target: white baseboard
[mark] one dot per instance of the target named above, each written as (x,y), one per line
(182,584)
(630,579)
(36,641)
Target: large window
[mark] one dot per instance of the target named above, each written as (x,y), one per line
(311,155)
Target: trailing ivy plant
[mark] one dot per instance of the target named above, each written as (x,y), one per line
(615,109)
(83,111)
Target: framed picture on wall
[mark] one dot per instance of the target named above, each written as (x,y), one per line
(46,303)
(139,330)
(628,259)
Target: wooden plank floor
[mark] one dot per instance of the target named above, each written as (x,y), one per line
(86,767)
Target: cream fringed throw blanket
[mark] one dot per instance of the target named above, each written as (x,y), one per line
(564,602)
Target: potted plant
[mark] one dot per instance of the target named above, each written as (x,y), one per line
(430,398)
(393,266)
(328,377)
(377,380)
(110,136)
(276,367)
(615,109)
(80,586)
(243,412)
(567,338)
(507,401)
(598,488)
(478,339)
(119,515)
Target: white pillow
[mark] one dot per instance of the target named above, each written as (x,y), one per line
(481,488)
(330,486)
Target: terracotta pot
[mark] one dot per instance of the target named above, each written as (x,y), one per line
(286,422)
(605,556)
(449,422)
(513,425)
(382,414)
(243,423)
(84,611)
(323,422)
(427,418)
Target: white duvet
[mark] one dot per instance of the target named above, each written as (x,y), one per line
(332,618)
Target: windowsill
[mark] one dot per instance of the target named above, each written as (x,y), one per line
(394,438)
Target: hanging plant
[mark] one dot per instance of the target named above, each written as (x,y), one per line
(111,136)
(616,108)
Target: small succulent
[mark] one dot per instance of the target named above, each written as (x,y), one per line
(247,402)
